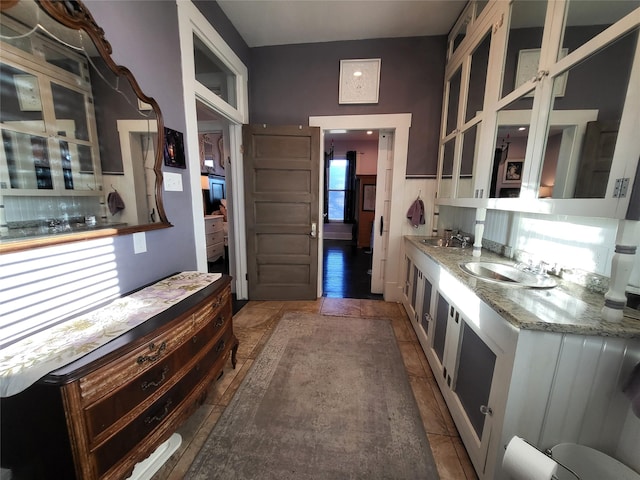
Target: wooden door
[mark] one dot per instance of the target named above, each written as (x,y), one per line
(597,156)
(281,175)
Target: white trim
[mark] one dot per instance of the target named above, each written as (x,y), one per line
(128,184)
(191,21)
(399,123)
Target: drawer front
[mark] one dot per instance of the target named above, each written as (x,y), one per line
(213,225)
(119,445)
(215,251)
(99,383)
(101,415)
(214,238)
(212,308)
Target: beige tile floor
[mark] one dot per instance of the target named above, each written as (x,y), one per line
(253,325)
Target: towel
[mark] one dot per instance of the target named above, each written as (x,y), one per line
(115,203)
(415,214)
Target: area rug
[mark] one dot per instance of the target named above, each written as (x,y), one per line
(327,398)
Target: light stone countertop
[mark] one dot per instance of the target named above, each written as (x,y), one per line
(567,308)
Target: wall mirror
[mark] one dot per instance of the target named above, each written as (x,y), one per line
(82,145)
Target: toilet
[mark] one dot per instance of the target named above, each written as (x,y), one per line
(589,464)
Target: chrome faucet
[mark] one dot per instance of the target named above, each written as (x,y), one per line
(539,268)
(464,240)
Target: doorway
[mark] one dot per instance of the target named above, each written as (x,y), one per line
(388,208)
(350,172)
(213,141)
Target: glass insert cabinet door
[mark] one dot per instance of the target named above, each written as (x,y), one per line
(48,129)
(557,118)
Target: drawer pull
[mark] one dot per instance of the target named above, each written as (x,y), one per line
(219,321)
(157,383)
(158,418)
(220,346)
(218,302)
(154,357)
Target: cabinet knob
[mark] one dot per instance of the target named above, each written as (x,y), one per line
(485,410)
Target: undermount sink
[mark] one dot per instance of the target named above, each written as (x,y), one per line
(507,274)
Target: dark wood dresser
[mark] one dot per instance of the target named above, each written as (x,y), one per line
(98,416)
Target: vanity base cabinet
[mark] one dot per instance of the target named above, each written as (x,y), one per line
(498,380)
(100,415)
(470,349)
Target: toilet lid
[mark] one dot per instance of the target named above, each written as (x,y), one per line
(589,464)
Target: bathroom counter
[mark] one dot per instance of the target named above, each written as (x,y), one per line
(20,233)
(567,308)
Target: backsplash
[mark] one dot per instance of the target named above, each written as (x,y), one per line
(38,209)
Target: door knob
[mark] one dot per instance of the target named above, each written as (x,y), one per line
(314,230)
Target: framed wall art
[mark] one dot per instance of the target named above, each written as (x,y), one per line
(528,61)
(174,149)
(369,198)
(513,171)
(359,81)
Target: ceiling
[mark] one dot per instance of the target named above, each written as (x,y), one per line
(280,22)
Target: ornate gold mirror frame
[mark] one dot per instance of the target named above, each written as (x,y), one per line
(74,15)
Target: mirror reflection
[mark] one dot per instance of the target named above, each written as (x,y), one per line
(578,154)
(79,149)
(583,120)
(508,161)
(523,46)
(445,189)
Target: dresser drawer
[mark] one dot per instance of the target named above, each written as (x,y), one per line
(212,308)
(215,251)
(214,238)
(108,454)
(213,225)
(104,380)
(106,413)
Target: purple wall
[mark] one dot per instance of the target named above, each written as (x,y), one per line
(289,83)
(218,20)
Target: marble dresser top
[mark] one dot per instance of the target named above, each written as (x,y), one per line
(567,308)
(24,362)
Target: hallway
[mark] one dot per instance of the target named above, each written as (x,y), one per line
(346,271)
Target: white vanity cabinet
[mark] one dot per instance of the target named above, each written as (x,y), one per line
(539,113)
(470,350)
(546,385)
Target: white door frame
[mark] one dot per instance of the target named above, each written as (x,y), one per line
(400,124)
(190,22)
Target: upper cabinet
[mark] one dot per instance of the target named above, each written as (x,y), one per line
(541,108)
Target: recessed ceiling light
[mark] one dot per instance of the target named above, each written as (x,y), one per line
(369,132)
(357,73)
(337,131)
(522,128)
